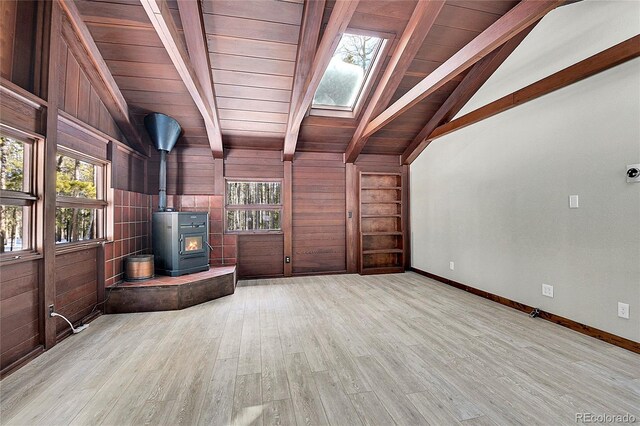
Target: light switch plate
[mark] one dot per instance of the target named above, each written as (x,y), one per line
(623,310)
(573,202)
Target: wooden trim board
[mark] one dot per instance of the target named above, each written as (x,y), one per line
(14,366)
(605,336)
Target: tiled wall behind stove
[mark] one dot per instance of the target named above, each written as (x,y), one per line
(131,234)
(224,246)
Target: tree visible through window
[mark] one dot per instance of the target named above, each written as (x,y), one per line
(253,206)
(348,71)
(79,199)
(17,195)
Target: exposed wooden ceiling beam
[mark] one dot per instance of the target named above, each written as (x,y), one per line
(474,79)
(102,80)
(423,17)
(340,16)
(622,52)
(309,34)
(508,26)
(161,19)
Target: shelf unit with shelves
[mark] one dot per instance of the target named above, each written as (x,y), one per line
(381,223)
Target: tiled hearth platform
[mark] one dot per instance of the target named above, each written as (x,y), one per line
(164,293)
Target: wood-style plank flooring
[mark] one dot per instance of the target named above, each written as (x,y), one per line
(339,350)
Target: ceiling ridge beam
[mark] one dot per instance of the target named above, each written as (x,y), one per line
(505,28)
(422,19)
(102,80)
(162,20)
(309,34)
(341,15)
(609,58)
(472,82)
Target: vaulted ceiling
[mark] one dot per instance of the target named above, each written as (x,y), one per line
(258,64)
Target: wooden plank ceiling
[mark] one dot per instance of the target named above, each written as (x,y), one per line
(252,51)
(140,64)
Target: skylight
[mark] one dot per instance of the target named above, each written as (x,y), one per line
(347,73)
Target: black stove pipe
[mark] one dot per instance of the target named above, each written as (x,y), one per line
(164,132)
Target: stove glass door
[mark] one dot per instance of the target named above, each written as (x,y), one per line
(192,244)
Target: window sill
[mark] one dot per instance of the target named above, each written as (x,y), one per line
(82,245)
(18,257)
(254,232)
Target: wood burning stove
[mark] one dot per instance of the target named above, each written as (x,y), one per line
(180,244)
(180,239)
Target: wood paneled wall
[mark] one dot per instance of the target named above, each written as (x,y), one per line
(190,171)
(80,139)
(76,285)
(129,170)
(260,255)
(319,215)
(19,307)
(76,95)
(257,255)
(18,53)
(22,113)
(71,280)
(248,164)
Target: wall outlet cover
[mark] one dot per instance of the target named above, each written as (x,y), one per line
(547,290)
(623,310)
(574,202)
(452,266)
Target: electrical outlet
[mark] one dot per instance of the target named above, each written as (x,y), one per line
(623,310)
(287,259)
(452,266)
(547,290)
(51,310)
(574,202)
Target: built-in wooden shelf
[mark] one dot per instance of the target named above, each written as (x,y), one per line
(381,224)
(383,202)
(381,233)
(382,251)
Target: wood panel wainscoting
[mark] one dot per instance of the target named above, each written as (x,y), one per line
(77,284)
(260,255)
(548,316)
(19,306)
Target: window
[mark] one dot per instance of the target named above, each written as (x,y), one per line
(17,195)
(80,198)
(253,206)
(348,72)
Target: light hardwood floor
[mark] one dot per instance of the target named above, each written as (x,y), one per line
(337,350)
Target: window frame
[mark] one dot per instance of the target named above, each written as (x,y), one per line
(376,67)
(100,203)
(28,197)
(272,207)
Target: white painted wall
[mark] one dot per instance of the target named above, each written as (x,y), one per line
(493,197)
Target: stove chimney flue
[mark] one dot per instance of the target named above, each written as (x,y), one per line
(164,132)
